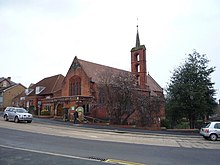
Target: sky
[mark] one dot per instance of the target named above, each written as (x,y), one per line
(40,38)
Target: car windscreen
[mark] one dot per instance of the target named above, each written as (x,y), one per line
(21,110)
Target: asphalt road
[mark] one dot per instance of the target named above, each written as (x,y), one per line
(21,156)
(42,143)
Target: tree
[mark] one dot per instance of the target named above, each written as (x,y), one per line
(190,93)
(148,108)
(123,98)
(119,94)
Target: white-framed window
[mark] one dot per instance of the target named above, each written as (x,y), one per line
(4,83)
(28,91)
(39,89)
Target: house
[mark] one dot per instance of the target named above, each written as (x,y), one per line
(32,97)
(8,90)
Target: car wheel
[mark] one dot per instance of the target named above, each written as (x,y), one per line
(213,137)
(6,117)
(29,121)
(16,119)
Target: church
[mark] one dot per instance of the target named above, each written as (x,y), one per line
(78,89)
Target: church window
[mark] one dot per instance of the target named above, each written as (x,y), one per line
(75,86)
(101,97)
(138,68)
(138,80)
(137,57)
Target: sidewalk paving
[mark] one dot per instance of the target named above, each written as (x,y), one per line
(193,133)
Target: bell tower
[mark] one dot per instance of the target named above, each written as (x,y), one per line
(138,63)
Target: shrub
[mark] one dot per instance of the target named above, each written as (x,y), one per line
(45,112)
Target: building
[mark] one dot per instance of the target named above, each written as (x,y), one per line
(32,97)
(8,90)
(79,88)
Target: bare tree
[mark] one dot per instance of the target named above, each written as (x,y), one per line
(123,98)
(148,110)
(119,90)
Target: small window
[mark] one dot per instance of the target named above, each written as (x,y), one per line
(28,91)
(39,89)
(4,84)
(22,98)
(217,125)
(137,57)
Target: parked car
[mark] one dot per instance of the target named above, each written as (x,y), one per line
(211,131)
(17,114)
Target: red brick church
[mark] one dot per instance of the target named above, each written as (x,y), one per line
(79,87)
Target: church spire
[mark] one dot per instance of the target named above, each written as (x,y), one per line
(137,39)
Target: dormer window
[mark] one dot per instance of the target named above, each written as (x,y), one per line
(28,91)
(39,89)
(4,84)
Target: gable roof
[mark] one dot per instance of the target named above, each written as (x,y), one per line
(50,84)
(11,83)
(13,86)
(92,70)
(7,79)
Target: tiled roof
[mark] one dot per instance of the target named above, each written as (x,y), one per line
(93,70)
(12,86)
(51,85)
(3,78)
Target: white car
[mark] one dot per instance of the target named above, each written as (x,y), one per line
(17,114)
(211,131)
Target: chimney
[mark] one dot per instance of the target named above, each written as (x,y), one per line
(9,78)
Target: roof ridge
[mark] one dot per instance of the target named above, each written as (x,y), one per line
(103,65)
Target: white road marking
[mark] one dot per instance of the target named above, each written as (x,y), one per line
(48,153)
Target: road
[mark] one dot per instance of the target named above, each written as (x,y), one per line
(74,144)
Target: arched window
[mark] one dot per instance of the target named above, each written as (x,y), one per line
(137,68)
(137,57)
(101,96)
(75,86)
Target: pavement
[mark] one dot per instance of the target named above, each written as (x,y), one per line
(113,128)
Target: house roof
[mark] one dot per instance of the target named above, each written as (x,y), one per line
(50,85)
(12,86)
(93,70)
(11,83)
(3,78)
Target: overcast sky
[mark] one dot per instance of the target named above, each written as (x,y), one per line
(40,38)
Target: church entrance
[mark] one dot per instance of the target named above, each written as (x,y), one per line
(59,110)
